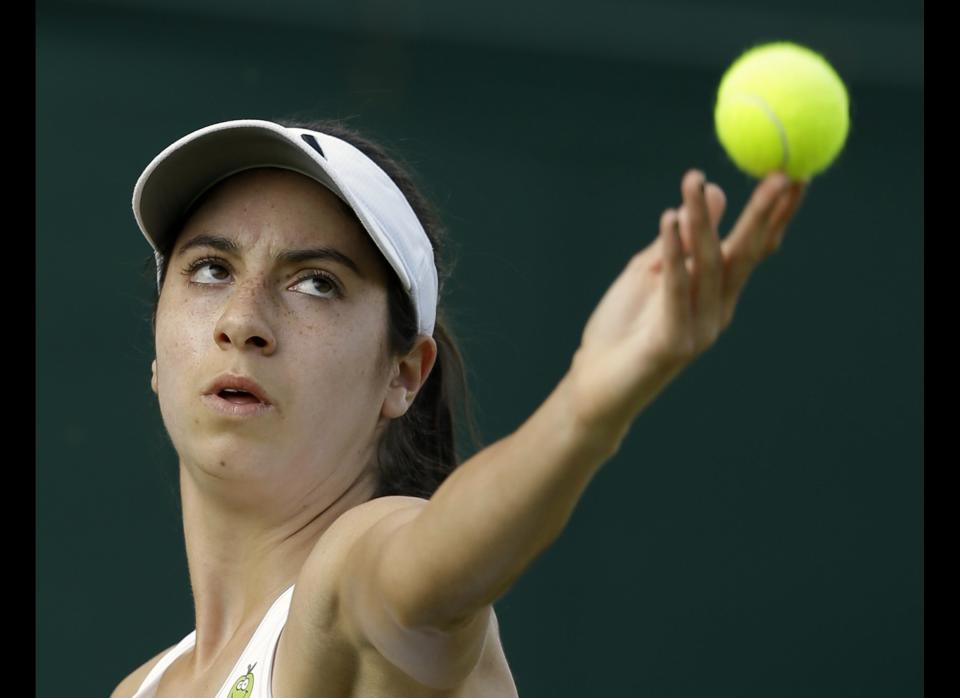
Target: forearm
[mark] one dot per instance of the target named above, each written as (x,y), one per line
(496,513)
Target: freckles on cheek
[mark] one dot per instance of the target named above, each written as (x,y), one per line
(181,342)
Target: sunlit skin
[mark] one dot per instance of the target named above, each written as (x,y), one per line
(258,491)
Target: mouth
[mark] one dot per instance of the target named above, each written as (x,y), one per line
(239,397)
(232,405)
(237,389)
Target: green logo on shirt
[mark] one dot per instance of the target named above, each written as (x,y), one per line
(244,685)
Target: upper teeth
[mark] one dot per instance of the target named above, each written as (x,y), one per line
(234,390)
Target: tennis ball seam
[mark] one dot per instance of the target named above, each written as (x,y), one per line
(772,115)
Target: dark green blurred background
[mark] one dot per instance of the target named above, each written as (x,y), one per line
(760,532)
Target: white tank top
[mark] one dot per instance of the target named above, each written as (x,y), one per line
(251,675)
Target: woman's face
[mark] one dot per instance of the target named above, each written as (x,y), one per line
(316,345)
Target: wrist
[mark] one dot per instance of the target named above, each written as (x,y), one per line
(600,432)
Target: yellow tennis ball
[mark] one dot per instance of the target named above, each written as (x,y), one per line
(782,107)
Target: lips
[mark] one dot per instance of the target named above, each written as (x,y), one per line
(238,389)
(238,397)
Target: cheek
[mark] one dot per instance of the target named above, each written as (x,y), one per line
(343,383)
(179,347)
(177,351)
(184,324)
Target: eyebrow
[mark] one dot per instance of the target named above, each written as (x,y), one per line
(285,257)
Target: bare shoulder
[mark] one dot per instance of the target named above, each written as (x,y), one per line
(129,686)
(354,522)
(312,636)
(319,576)
(319,654)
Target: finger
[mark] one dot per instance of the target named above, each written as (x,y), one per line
(707,278)
(784,213)
(668,223)
(716,204)
(675,272)
(668,227)
(743,247)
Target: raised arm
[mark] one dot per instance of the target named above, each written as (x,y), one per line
(442,568)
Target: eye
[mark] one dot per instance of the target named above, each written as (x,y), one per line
(318,283)
(318,280)
(205,262)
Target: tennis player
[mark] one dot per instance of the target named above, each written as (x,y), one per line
(308,382)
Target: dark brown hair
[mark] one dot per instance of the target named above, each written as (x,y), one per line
(418,450)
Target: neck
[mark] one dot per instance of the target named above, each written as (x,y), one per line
(243,552)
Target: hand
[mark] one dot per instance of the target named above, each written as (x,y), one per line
(674,298)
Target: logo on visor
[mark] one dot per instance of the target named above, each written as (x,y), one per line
(312,142)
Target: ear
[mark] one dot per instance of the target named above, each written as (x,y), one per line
(408,374)
(153,377)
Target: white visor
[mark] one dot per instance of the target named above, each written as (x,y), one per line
(180,174)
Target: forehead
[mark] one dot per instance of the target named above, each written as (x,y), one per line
(276,208)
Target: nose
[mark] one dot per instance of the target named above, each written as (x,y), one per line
(244,324)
